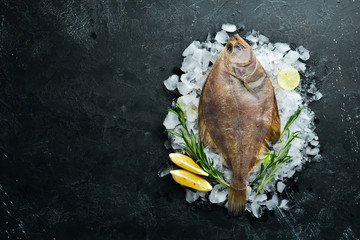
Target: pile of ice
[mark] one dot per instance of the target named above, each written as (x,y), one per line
(198,59)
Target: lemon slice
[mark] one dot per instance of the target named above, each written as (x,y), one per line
(190,180)
(288,78)
(187,163)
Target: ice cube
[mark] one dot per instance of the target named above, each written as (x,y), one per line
(312,88)
(290,173)
(314,143)
(189,104)
(280,186)
(317,158)
(185,100)
(165,170)
(201,194)
(256,209)
(167,144)
(176,142)
(227,174)
(184,88)
(198,55)
(191,196)
(217,47)
(282,47)
(221,37)
(252,196)
(191,48)
(190,125)
(214,156)
(218,194)
(228,27)
(208,44)
(272,203)
(283,204)
(263,39)
(252,38)
(214,57)
(171,121)
(304,53)
(191,115)
(171,82)
(205,60)
(291,57)
(200,79)
(261,197)
(312,151)
(300,66)
(318,95)
(187,77)
(189,64)
(248,191)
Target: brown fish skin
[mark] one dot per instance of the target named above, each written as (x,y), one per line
(238,114)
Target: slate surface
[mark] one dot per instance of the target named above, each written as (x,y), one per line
(82,104)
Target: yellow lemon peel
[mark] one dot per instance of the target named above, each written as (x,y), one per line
(288,78)
(191,180)
(187,163)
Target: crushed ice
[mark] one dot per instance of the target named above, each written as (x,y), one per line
(171,82)
(198,58)
(228,27)
(218,194)
(221,37)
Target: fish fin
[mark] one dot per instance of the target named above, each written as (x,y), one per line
(245,84)
(273,135)
(204,134)
(224,161)
(236,201)
(263,148)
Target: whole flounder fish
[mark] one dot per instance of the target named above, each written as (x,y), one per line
(238,114)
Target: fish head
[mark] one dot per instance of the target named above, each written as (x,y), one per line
(239,56)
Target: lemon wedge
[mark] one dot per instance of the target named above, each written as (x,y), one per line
(288,78)
(190,180)
(187,163)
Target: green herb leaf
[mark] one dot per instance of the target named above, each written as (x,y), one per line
(273,160)
(195,149)
(266,158)
(173,132)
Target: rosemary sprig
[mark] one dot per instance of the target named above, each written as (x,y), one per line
(273,161)
(195,149)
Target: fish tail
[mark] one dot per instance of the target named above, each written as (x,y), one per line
(236,201)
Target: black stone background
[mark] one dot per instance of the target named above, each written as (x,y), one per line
(82,103)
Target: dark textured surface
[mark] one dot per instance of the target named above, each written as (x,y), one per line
(82,104)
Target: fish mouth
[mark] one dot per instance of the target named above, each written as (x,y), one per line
(241,41)
(239,50)
(237,40)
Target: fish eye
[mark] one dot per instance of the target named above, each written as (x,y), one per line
(237,49)
(229,49)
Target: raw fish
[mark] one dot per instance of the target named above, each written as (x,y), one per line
(238,114)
